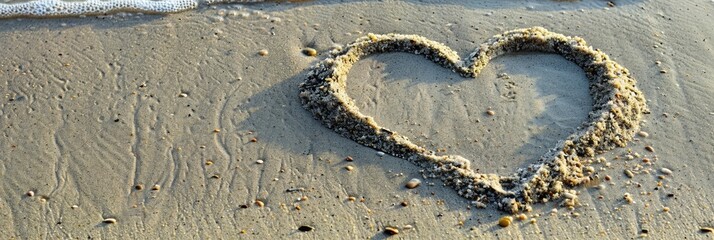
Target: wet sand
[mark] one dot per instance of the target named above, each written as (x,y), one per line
(97,111)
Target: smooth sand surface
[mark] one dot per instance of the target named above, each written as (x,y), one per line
(92,107)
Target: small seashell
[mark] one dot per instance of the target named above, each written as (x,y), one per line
(110,220)
(391,231)
(666,171)
(263,52)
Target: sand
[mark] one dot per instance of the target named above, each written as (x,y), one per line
(92,107)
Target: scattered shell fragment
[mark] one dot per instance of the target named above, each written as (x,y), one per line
(110,220)
(629,173)
(490,112)
(259,203)
(306,228)
(706,229)
(643,134)
(139,187)
(309,52)
(183,95)
(665,209)
(349,168)
(522,217)
(156,187)
(649,148)
(295,189)
(628,198)
(391,231)
(349,159)
(30,193)
(259,161)
(413,183)
(263,52)
(570,195)
(380,154)
(505,221)
(666,171)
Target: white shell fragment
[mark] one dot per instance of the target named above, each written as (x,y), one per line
(110,220)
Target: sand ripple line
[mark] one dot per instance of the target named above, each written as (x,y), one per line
(615,117)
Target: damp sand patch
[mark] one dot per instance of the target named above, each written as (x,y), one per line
(618,107)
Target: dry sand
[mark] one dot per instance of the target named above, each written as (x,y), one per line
(93,107)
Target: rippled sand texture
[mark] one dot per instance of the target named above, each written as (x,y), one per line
(144,126)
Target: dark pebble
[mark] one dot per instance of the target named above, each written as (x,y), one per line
(305,228)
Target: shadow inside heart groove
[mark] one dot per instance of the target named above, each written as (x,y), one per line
(616,112)
(539,99)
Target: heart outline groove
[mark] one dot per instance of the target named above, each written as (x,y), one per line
(618,107)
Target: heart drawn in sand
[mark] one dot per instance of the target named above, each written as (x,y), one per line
(615,116)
